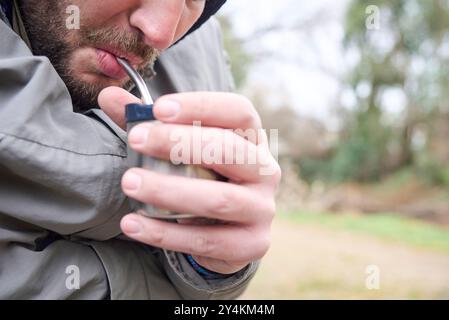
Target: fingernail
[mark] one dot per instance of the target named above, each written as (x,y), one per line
(131,226)
(138,135)
(167,109)
(131,181)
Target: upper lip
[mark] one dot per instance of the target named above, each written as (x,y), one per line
(132,59)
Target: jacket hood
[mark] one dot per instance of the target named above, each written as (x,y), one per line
(211,8)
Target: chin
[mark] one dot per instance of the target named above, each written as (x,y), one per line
(100,81)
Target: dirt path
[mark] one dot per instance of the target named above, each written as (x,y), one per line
(307,262)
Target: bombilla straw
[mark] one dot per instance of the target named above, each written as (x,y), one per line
(137,79)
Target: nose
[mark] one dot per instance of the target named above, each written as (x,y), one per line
(158,21)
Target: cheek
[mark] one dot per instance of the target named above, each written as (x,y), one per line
(99,12)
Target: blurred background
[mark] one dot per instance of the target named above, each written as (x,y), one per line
(359,91)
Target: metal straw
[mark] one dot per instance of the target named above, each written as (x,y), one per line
(137,79)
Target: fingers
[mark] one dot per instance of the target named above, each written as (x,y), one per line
(223,242)
(113,100)
(203,198)
(212,109)
(222,151)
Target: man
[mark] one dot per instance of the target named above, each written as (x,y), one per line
(65,227)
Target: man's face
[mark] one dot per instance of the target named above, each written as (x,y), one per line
(137,30)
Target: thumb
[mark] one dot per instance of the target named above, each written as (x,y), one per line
(112,100)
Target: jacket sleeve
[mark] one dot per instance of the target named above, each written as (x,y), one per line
(58,170)
(192,285)
(61,171)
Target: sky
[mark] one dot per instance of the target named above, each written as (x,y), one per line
(305,63)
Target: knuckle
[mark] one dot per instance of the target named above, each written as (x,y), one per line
(277,173)
(202,107)
(156,236)
(253,246)
(224,204)
(157,140)
(250,117)
(269,168)
(244,101)
(151,191)
(203,245)
(271,209)
(263,244)
(238,253)
(273,173)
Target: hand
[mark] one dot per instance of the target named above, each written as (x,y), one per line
(245,204)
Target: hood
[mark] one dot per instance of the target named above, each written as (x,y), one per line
(211,8)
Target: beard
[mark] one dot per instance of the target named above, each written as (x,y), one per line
(45,24)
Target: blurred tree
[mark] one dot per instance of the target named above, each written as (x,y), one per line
(299,137)
(409,53)
(240,60)
(407,56)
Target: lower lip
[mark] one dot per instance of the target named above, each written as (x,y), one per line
(109,66)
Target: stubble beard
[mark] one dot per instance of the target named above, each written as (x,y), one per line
(45,24)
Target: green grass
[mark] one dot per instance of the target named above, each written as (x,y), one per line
(396,181)
(387,226)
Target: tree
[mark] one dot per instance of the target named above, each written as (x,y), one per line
(408,52)
(240,60)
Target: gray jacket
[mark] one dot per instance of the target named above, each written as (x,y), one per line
(60,195)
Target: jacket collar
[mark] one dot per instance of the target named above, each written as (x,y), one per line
(211,8)
(6,7)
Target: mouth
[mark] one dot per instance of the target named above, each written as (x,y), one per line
(108,65)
